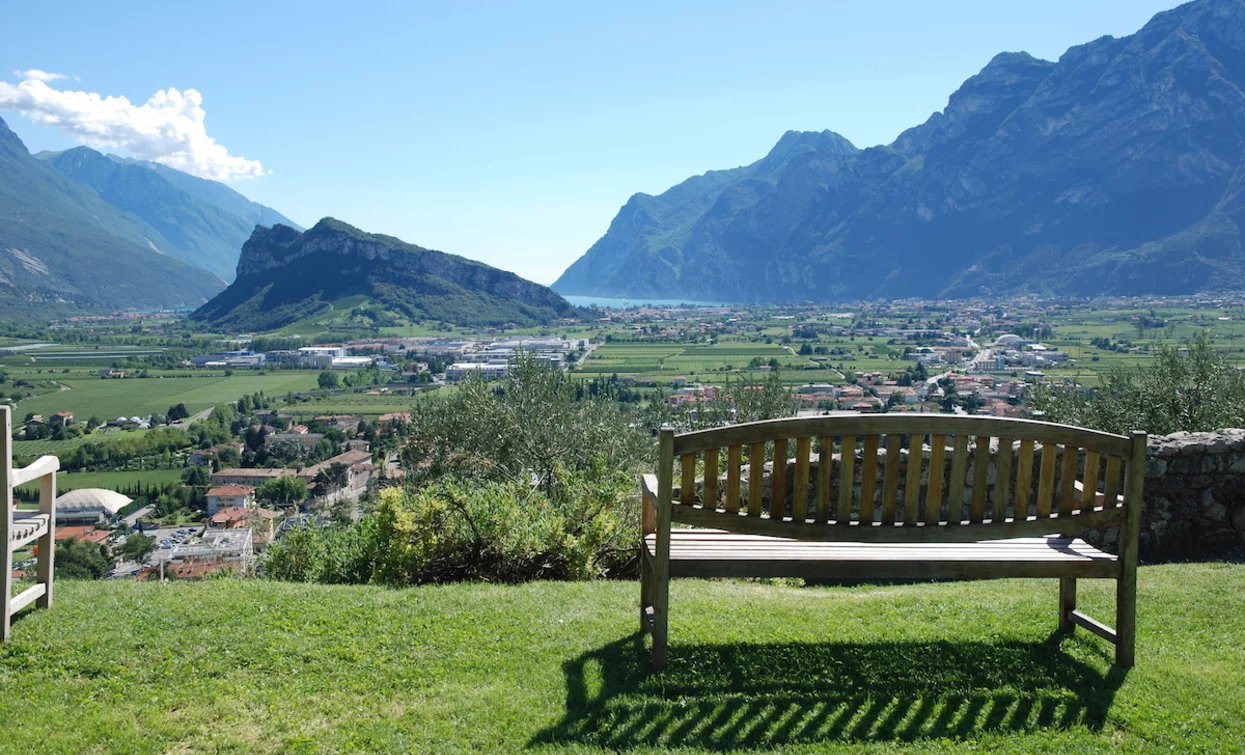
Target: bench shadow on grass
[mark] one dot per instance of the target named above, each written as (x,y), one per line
(723,697)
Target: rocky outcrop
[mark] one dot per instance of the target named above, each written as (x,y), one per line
(1118,169)
(285,275)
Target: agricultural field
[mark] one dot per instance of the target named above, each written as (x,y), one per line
(110,480)
(712,363)
(1075,330)
(30,448)
(109,399)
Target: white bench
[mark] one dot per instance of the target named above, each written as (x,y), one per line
(19,528)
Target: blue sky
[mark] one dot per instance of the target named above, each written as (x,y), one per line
(512,132)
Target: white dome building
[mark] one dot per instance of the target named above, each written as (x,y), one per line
(1010,339)
(89,505)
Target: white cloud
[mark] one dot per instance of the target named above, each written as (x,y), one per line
(168,128)
(38,75)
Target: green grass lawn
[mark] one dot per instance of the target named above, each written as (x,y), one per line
(243,666)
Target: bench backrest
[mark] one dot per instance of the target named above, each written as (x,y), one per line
(898,478)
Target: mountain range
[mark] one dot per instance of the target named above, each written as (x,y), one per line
(286,276)
(203,222)
(63,248)
(1117,169)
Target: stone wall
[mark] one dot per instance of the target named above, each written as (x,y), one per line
(1195,495)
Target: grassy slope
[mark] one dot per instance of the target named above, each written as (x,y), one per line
(243,666)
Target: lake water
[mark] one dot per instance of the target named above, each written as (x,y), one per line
(608,303)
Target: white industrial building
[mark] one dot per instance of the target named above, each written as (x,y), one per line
(486,370)
(88,505)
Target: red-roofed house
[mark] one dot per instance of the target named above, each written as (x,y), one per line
(230,496)
(87,533)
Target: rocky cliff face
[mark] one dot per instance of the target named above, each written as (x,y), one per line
(1116,169)
(285,275)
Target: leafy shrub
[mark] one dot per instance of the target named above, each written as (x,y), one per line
(493,531)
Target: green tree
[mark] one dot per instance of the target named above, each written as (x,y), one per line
(79,559)
(137,547)
(328,380)
(1194,391)
(522,428)
(178,411)
(285,490)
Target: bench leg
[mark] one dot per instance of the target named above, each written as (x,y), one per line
(1067,603)
(6,583)
(646,591)
(661,613)
(1125,621)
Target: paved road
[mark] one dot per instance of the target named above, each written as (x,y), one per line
(197,417)
(132,518)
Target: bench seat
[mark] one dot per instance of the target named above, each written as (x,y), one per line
(718,553)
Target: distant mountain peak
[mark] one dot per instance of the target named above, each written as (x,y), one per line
(826,140)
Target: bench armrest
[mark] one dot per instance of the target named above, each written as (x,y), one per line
(648,502)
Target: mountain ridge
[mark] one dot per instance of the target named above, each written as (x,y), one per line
(1116,169)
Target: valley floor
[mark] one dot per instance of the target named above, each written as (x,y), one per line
(253,665)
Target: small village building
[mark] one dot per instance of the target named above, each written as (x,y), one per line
(230,496)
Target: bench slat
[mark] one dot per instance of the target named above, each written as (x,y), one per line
(710,494)
(734,460)
(1089,483)
(868,477)
(778,480)
(687,487)
(876,533)
(847,479)
(1046,482)
(1024,477)
(959,468)
(890,486)
(981,472)
(912,485)
(1112,487)
(904,424)
(756,477)
(799,496)
(1003,478)
(825,461)
(937,465)
(1067,480)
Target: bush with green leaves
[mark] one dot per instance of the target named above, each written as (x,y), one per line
(493,531)
(1194,389)
(81,559)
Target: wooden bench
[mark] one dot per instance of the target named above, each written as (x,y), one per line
(19,528)
(986,498)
